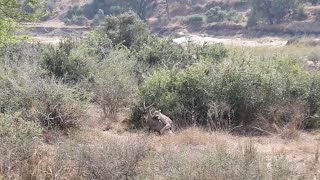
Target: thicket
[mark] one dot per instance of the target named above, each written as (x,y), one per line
(216,14)
(45,88)
(272,12)
(121,62)
(97,10)
(25,89)
(241,90)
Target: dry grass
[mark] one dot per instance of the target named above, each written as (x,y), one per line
(191,153)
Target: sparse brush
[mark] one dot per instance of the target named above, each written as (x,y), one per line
(112,159)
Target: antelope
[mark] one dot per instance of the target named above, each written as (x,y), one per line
(156,121)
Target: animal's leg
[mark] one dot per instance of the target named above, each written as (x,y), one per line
(166,127)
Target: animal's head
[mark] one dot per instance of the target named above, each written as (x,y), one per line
(147,110)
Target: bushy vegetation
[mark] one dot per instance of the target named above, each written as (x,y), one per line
(36,98)
(241,89)
(46,88)
(18,141)
(271,11)
(97,10)
(216,14)
(114,82)
(63,62)
(205,85)
(126,29)
(195,19)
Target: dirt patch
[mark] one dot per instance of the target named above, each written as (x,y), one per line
(267,41)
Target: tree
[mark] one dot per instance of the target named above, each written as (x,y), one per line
(125,29)
(271,10)
(12,12)
(140,7)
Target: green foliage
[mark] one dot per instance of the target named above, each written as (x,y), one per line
(156,52)
(17,136)
(272,11)
(114,83)
(111,7)
(211,52)
(64,62)
(216,14)
(246,85)
(196,18)
(25,90)
(126,29)
(11,14)
(18,139)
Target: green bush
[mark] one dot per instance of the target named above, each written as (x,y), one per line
(157,52)
(110,7)
(52,104)
(114,83)
(196,18)
(246,85)
(18,141)
(271,11)
(181,95)
(216,14)
(125,29)
(24,89)
(64,62)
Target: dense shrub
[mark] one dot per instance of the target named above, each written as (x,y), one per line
(195,19)
(158,52)
(64,62)
(25,90)
(111,7)
(126,29)
(271,11)
(246,85)
(216,14)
